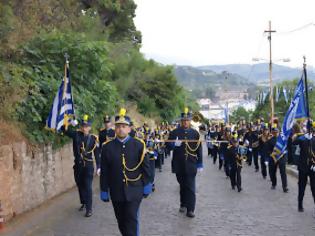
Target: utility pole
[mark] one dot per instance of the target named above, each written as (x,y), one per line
(270,72)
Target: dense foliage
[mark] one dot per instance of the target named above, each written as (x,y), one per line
(107,69)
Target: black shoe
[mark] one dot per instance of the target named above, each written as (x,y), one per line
(285,190)
(182,209)
(160,170)
(88,214)
(300,209)
(82,207)
(233,187)
(264,177)
(256,170)
(239,190)
(190,214)
(273,187)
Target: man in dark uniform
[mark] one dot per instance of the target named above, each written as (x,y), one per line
(125,175)
(248,139)
(187,158)
(234,158)
(306,165)
(84,146)
(255,146)
(107,132)
(273,165)
(263,148)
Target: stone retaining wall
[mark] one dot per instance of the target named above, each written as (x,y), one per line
(28,177)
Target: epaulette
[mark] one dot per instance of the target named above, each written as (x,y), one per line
(140,140)
(106,142)
(96,137)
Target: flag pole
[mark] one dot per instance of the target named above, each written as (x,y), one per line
(306,97)
(65,84)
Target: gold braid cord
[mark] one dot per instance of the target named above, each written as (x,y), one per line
(83,149)
(125,168)
(190,149)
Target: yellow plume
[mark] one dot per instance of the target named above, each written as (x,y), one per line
(85,117)
(266,124)
(274,126)
(122,112)
(313,124)
(186,110)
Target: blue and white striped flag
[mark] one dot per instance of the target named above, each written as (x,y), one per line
(291,115)
(62,109)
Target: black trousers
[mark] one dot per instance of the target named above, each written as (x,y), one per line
(187,192)
(263,165)
(273,171)
(255,157)
(221,160)
(214,154)
(209,151)
(83,176)
(303,175)
(127,215)
(235,177)
(249,157)
(159,161)
(152,171)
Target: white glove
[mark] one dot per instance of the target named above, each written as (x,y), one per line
(157,140)
(200,169)
(178,143)
(246,142)
(98,172)
(74,122)
(266,163)
(308,136)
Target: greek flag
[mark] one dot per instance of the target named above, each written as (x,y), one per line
(296,105)
(62,109)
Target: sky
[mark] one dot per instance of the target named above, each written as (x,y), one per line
(212,32)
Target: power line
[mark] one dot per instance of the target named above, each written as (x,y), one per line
(297,29)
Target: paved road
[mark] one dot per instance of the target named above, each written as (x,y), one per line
(257,210)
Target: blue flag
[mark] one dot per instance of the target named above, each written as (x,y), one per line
(62,109)
(301,112)
(226,114)
(295,106)
(285,95)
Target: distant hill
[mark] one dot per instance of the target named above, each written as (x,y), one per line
(191,77)
(206,83)
(259,73)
